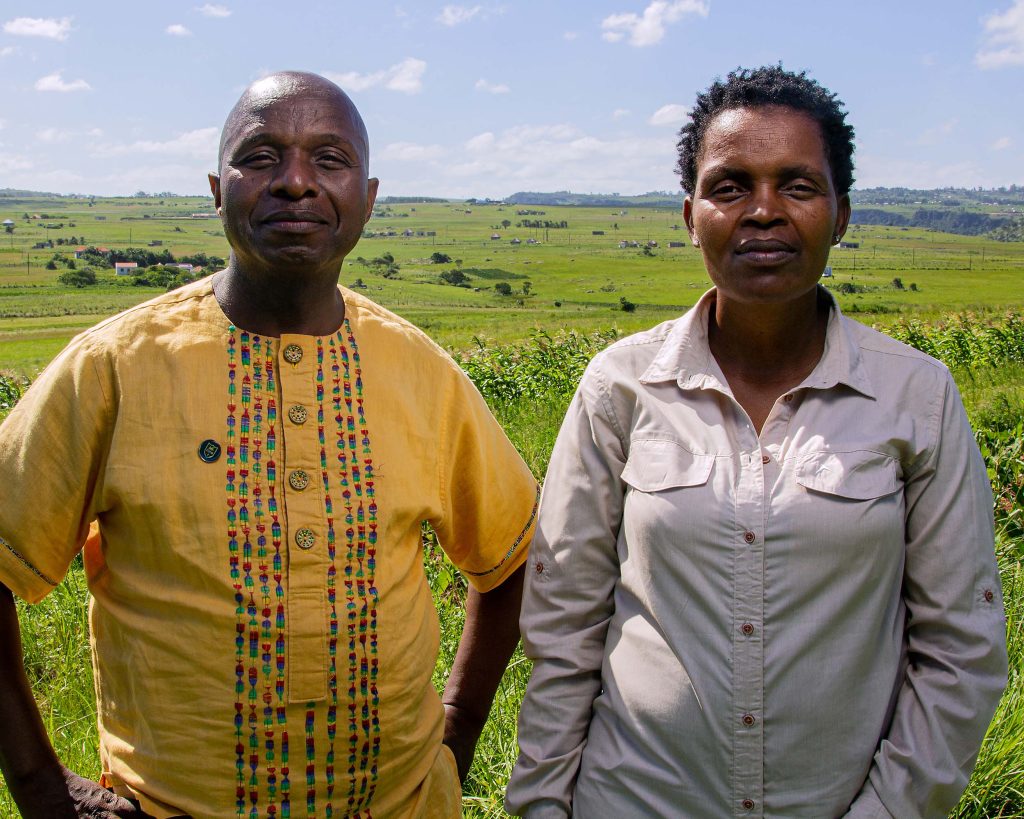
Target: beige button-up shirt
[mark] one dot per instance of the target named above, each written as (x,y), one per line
(801,623)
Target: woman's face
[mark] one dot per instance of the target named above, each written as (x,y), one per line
(765,211)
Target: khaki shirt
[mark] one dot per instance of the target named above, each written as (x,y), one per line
(792,624)
(263,633)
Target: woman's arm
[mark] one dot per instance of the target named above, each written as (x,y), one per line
(955,631)
(570,579)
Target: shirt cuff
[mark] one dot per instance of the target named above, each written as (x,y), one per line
(545,809)
(21,577)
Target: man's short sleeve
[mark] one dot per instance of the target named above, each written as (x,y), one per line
(53,449)
(488,496)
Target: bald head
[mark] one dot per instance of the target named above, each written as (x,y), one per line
(280,88)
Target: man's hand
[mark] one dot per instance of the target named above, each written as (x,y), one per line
(62,794)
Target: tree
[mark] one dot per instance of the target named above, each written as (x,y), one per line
(455,277)
(9,228)
(440,258)
(505,223)
(897,284)
(503,288)
(77,278)
(626,306)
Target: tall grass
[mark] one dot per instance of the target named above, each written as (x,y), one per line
(528,386)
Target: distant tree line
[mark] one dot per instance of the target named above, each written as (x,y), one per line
(962,222)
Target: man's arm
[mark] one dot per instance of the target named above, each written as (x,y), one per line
(489,637)
(40,785)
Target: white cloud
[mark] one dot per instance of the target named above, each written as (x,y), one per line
(52,135)
(178,30)
(3,124)
(671,114)
(1004,44)
(649,28)
(14,163)
(570,35)
(49,27)
(410,152)
(406,76)
(1002,143)
(491,88)
(7,51)
(54,82)
(619,113)
(200,143)
(212,10)
(938,133)
(455,15)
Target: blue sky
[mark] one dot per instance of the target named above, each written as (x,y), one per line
(488,98)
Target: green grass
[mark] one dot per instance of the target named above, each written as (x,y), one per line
(511,347)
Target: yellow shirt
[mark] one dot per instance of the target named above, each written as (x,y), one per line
(263,634)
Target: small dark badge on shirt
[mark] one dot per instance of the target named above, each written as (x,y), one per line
(209,451)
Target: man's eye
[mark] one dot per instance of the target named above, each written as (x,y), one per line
(334,160)
(259,159)
(726,190)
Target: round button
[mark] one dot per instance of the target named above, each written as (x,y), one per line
(748,804)
(749,537)
(293,354)
(787,398)
(989,597)
(539,568)
(298,479)
(765,459)
(748,719)
(304,538)
(747,628)
(297,414)
(209,451)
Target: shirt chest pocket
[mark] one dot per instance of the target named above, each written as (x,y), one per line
(858,475)
(656,466)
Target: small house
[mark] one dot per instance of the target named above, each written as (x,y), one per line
(125,268)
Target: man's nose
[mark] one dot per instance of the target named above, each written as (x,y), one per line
(296,178)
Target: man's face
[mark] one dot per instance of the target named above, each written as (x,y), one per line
(293,190)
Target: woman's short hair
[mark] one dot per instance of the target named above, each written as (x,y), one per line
(756,88)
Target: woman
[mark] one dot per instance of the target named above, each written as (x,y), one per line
(763,582)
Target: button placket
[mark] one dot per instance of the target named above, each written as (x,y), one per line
(752,480)
(305,519)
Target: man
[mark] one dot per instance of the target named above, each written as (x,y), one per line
(260,449)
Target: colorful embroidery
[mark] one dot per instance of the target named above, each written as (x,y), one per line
(356,466)
(257,560)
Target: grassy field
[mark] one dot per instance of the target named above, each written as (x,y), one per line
(571,278)
(576,280)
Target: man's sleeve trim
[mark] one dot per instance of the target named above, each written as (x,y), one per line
(515,544)
(21,559)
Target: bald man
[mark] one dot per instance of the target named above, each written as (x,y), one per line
(259,450)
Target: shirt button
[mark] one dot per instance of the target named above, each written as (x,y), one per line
(749,537)
(304,538)
(748,719)
(298,479)
(989,597)
(787,398)
(293,354)
(297,414)
(747,628)
(765,459)
(748,804)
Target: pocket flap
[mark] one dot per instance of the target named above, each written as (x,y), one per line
(859,475)
(656,465)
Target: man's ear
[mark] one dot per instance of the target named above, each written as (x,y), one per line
(215,189)
(371,196)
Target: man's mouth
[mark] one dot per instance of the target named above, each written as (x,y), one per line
(294,221)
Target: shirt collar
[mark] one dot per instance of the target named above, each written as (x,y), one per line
(685,355)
